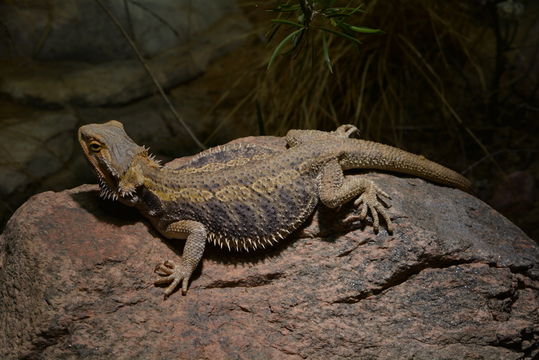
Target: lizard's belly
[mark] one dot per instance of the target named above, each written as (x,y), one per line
(241,217)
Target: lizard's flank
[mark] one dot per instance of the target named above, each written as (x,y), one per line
(242,196)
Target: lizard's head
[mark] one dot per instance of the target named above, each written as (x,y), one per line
(110,153)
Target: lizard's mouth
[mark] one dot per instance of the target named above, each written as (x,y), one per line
(108,183)
(106,179)
(105,190)
(108,188)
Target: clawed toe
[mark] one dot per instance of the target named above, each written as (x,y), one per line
(370,201)
(357,217)
(172,274)
(347,131)
(165,268)
(164,280)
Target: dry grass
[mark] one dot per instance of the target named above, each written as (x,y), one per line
(373,86)
(389,82)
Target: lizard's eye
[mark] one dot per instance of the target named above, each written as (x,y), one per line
(95,146)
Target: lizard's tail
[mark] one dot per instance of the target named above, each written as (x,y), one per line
(384,157)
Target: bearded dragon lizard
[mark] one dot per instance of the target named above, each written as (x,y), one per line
(246,196)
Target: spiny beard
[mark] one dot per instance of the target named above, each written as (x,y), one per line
(106,192)
(151,157)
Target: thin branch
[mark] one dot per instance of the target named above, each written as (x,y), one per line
(159,18)
(129,22)
(443,99)
(150,73)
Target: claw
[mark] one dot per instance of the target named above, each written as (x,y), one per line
(172,274)
(380,192)
(351,218)
(389,224)
(185,282)
(375,220)
(360,200)
(164,280)
(347,131)
(372,201)
(164,268)
(172,286)
(363,211)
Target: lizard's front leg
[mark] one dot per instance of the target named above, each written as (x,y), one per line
(335,190)
(171,273)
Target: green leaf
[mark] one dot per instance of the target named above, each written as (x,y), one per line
(364,30)
(338,33)
(285,8)
(345,27)
(356,10)
(278,48)
(273,31)
(287,22)
(325,49)
(343,12)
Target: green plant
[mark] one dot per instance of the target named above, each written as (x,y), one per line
(324,17)
(383,86)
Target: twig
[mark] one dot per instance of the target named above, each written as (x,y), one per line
(159,18)
(444,100)
(496,153)
(129,22)
(150,73)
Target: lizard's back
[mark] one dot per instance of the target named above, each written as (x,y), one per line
(245,206)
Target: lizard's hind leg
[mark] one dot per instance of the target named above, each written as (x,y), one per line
(346,131)
(335,190)
(296,137)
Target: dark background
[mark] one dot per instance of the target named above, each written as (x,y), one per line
(455,81)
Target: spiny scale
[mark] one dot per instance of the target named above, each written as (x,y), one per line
(245,244)
(105,192)
(150,156)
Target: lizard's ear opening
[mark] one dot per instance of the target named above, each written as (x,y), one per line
(115,123)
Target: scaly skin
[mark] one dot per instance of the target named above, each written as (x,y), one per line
(246,196)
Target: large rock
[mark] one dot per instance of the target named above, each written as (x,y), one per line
(455,281)
(74,54)
(41,146)
(81,31)
(55,84)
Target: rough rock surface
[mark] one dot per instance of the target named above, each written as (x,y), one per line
(55,84)
(455,281)
(81,30)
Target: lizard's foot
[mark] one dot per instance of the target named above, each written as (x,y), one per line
(347,131)
(172,274)
(371,201)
